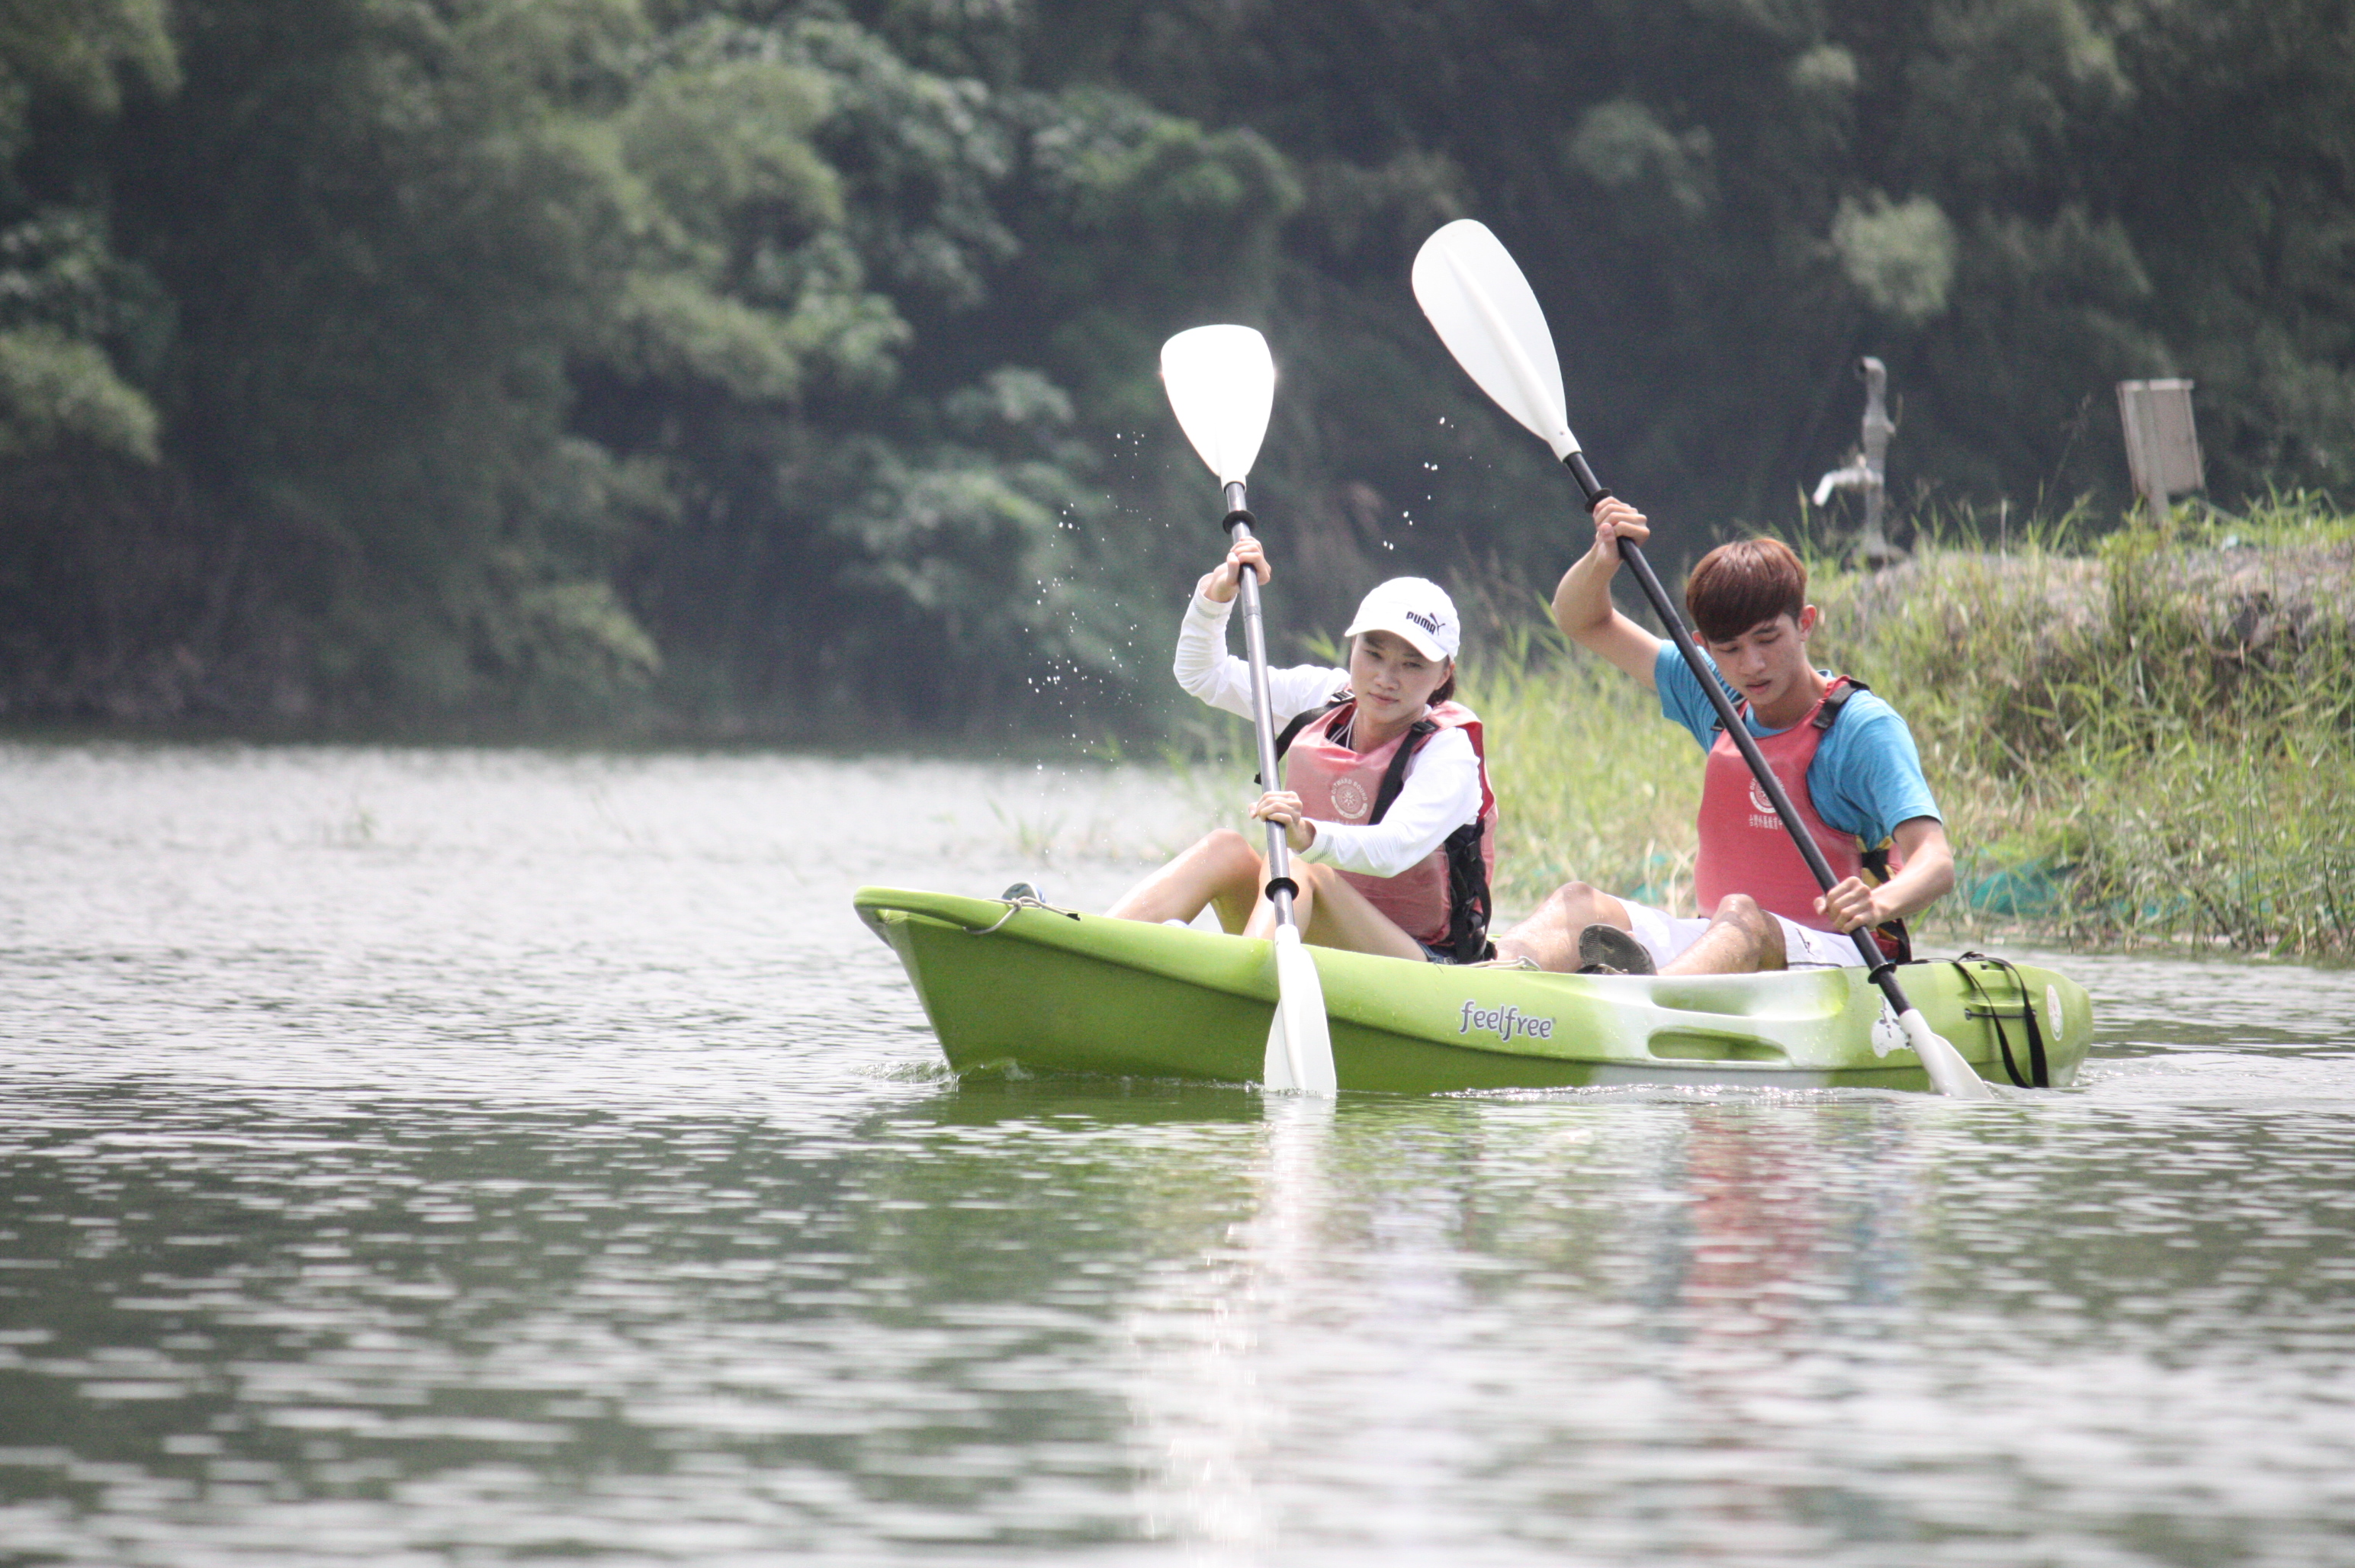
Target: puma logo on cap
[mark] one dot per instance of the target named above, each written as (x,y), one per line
(1413,608)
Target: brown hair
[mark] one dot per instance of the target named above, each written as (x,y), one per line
(1738,585)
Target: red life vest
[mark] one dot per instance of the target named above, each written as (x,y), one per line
(1744,848)
(1338,785)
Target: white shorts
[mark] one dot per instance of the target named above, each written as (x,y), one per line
(1666,937)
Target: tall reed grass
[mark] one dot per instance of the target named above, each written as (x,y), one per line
(2144,736)
(1591,784)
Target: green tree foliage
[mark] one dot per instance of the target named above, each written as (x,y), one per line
(2015,203)
(747,366)
(68,305)
(904,517)
(577,359)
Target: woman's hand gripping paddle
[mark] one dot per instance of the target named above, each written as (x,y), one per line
(1222,385)
(1485,311)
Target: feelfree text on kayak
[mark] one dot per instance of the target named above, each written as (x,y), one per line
(1504,1022)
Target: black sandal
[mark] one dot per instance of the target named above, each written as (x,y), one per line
(1607,950)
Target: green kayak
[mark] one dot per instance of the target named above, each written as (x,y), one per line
(1024,987)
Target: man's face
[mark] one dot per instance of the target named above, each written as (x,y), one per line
(1767,662)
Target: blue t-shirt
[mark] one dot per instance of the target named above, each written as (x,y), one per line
(1866,777)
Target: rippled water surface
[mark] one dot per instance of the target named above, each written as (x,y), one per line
(429,1157)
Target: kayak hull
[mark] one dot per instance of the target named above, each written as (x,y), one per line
(1029,989)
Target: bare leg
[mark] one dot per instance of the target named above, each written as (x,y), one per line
(1549,938)
(1741,939)
(1332,913)
(1222,869)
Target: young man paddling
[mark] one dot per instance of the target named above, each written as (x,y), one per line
(1843,755)
(1385,797)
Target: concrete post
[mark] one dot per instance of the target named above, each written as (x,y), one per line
(2162,444)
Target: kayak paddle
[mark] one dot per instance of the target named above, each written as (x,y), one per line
(1222,383)
(1484,310)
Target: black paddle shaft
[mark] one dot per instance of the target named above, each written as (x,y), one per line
(1883,971)
(1280,885)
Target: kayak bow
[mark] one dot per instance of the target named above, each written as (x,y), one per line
(1034,989)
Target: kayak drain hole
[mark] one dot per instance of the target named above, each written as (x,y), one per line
(1690,1045)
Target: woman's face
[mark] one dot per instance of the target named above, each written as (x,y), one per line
(1392,680)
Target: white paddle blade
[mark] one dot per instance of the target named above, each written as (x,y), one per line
(1948,1071)
(1299,1043)
(1484,310)
(1222,383)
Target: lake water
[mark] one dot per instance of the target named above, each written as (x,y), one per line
(460,1157)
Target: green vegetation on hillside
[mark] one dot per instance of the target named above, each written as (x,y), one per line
(785,368)
(2145,736)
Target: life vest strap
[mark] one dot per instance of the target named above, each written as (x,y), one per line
(1836,696)
(1299,721)
(1395,775)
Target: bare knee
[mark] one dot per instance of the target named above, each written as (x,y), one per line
(1573,906)
(1572,899)
(1742,909)
(1315,883)
(1763,931)
(1229,851)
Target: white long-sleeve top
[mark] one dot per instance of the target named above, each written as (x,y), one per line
(1440,793)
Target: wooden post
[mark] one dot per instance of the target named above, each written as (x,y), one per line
(2162,446)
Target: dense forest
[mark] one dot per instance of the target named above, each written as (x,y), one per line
(735,368)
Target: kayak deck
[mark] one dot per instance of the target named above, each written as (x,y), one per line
(1036,989)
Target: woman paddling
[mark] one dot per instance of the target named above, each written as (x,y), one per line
(1387,808)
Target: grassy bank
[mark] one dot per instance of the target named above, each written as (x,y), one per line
(2147,737)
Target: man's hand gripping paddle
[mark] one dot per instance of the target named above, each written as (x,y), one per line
(1485,311)
(1222,385)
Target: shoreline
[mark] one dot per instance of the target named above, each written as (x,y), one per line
(2144,743)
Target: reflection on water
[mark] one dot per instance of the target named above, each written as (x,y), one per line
(456,1157)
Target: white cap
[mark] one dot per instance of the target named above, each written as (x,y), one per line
(1416,609)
